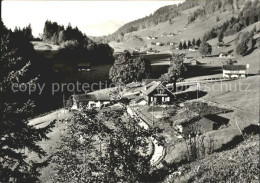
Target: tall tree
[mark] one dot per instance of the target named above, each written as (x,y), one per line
(221,36)
(198,42)
(245,43)
(127,69)
(184,45)
(180,46)
(189,44)
(205,48)
(16,135)
(193,42)
(176,70)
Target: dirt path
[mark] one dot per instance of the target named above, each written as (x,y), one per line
(158,150)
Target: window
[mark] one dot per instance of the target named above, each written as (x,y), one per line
(151,99)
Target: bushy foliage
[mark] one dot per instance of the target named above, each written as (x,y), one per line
(127,69)
(92,152)
(205,48)
(176,70)
(245,43)
(70,38)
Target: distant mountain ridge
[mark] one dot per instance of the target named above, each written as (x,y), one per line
(167,13)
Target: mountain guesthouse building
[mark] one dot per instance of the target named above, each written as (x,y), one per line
(234,71)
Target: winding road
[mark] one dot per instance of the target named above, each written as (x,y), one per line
(158,150)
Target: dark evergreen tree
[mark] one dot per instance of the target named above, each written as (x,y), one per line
(184,45)
(220,36)
(189,44)
(180,46)
(193,42)
(198,42)
(17,137)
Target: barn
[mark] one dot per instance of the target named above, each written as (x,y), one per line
(90,100)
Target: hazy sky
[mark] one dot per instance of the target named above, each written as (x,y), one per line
(95,18)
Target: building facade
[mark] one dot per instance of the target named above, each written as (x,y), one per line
(234,71)
(157,93)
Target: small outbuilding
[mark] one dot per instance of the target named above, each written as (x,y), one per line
(84,67)
(224,55)
(194,62)
(159,44)
(222,44)
(193,48)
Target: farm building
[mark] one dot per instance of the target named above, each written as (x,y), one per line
(222,44)
(234,71)
(159,44)
(84,67)
(90,100)
(156,92)
(194,62)
(201,125)
(199,118)
(193,48)
(224,55)
(171,43)
(172,34)
(164,34)
(151,51)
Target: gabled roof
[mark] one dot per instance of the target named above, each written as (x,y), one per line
(223,44)
(224,53)
(84,64)
(234,67)
(100,95)
(152,86)
(195,111)
(194,60)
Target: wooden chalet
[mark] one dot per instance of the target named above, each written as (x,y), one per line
(157,92)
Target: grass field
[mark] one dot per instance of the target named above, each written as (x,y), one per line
(55,138)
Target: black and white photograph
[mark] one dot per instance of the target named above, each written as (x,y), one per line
(129,91)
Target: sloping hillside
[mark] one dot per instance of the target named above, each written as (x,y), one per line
(179,28)
(235,165)
(191,22)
